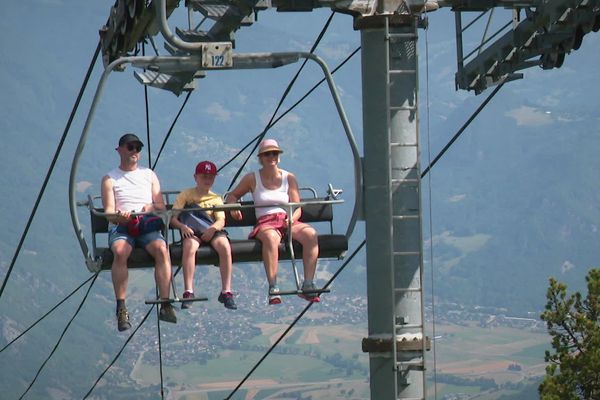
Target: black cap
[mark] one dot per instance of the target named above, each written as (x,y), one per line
(129,138)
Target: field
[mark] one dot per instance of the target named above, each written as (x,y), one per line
(327,362)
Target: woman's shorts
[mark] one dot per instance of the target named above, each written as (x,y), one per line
(275,221)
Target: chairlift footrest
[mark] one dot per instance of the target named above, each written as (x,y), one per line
(170,301)
(299,292)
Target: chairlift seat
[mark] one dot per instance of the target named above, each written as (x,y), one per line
(331,246)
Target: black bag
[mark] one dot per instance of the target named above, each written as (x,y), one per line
(198,220)
(141,224)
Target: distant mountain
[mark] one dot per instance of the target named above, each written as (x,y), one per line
(513,201)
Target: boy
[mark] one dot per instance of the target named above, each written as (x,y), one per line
(211,233)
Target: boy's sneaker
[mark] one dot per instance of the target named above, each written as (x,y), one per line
(227,300)
(187,304)
(123,319)
(274,296)
(167,313)
(312,297)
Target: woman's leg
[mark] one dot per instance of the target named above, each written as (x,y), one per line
(307,237)
(270,240)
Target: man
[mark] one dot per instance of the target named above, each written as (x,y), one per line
(127,189)
(204,227)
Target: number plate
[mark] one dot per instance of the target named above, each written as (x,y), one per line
(217,55)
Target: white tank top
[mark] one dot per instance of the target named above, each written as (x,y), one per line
(263,196)
(132,189)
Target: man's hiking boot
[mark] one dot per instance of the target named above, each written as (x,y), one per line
(167,313)
(312,297)
(274,296)
(227,300)
(123,319)
(187,304)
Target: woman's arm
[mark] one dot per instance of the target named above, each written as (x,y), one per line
(294,196)
(246,185)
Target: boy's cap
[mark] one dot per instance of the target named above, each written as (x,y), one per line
(206,167)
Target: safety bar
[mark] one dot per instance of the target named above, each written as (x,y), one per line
(166,216)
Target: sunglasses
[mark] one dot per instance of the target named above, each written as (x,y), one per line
(136,147)
(270,154)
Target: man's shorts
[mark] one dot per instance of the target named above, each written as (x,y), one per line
(119,232)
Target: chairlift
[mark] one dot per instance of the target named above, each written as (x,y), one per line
(314,209)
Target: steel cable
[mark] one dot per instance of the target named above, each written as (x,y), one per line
(289,328)
(308,93)
(462,129)
(257,139)
(61,336)
(45,315)
(114,360)
(51,168)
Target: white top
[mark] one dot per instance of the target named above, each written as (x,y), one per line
(262,195)
(132,189)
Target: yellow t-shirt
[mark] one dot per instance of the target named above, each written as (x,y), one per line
(192,197)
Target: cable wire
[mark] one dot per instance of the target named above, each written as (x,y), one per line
(114,360)
(51,168)
(125,345)
(160,364)
(61,336)
(281,100)
(462,128)
(308,93)
(45,315)
(426,171)
(289,328)
(171,129)
(428,128)
(147,114)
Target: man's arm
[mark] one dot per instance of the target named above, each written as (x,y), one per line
(108,201)
(158,203)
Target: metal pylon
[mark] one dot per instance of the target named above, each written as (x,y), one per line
(396,342)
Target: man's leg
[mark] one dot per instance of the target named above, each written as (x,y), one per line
(120,275)
(162,274)
(119,272)
(162,268)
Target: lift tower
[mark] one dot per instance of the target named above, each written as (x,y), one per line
(392,201)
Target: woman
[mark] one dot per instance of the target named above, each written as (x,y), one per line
(273,185)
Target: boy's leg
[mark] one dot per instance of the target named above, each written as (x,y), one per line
(223,249)
(188,262)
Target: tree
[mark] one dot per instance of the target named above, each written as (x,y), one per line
(573,371)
